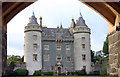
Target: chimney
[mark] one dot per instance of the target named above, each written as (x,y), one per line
(40,21)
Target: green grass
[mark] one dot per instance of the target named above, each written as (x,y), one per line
(52,76)
(58,76)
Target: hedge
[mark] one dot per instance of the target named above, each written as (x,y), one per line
(21,72)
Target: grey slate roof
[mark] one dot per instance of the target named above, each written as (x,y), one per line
(53,31)
(80,21)
(33,19)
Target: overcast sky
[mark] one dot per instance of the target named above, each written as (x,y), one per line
(55,12)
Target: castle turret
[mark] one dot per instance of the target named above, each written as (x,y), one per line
(82,54)
(32,45)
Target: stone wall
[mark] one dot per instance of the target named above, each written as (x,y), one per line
(114,54)
(20,66)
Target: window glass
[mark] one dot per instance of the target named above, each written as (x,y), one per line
(46,47)
(67,47)
(34,57)
(34,37)
(58,47)
(59,57)
(35,46)
(68,59)
(46,57)
(83,45)
(83,57)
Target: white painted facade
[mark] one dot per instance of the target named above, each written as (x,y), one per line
(82,36)
(32,37)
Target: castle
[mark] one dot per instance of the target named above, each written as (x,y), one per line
(58,50)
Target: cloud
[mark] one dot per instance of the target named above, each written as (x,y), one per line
(14,51)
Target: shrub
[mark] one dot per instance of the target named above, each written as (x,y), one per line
(71,73)
(81,72)
(47,73)
(91,73)
(96,72)
(104,72)
(21,72)
(37,73)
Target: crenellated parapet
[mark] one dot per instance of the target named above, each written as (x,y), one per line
(32,27)
(81,29)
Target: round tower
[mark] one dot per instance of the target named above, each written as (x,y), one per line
(32,45)
(82,54)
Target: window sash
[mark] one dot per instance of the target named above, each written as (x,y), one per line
(46,47)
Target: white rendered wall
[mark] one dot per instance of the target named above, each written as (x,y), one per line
(29,51)
(78,51)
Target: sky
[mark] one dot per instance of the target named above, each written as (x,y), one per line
(54,13)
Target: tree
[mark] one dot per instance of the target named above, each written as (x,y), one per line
(106,47)
(92,55)
(11,61)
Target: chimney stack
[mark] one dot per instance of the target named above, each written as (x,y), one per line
(40,21)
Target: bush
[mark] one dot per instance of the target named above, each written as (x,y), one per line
(104,72)
(71,73)
(21,72)
(37,73)
(47,73)
(96,72)
(81,72)
(91,73)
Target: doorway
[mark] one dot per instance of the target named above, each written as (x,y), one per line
(59,70)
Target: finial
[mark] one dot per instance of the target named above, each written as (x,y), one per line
(80,14)
(33,14)
(61,26)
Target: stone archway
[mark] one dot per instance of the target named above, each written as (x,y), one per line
(109,10)
(59,69)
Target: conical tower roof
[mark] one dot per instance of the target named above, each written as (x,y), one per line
(80,21)
(33,19)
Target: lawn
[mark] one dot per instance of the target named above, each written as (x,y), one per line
(61,76)
(52,76)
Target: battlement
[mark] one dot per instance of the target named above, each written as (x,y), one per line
(81,29)
(33,27)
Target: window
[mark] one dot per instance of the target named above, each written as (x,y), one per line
(67,47)
(52,67)
(35,46)
(83,57)
(68,52)
(46,57)
(83,38)
(34,57)
(58,47)
(83,45)
(84,67)
(44,68)
(34,37)
(68,59)
(46,47)
(66,68)
(59,57)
